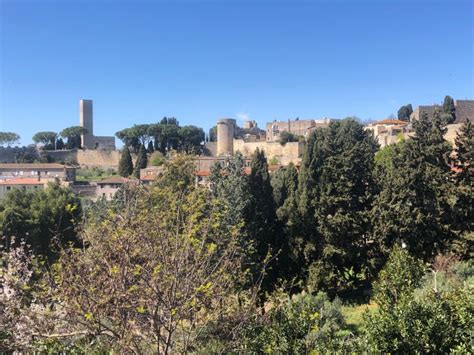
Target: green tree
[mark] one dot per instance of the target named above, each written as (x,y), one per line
(414,204)
(73,135)
(286,137)
(125,168)
(48,139)
(409,321)
(60,144)
(404,112)
(129,138)
(191,139)
(142,161)
(8,138)
(261,220)
(464,180)
(45,219)
(449,109)
(336,194)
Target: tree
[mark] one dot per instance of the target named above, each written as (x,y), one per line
(59,143)
(405,112)
(449,109)
(125,168)
(44,219)
(150,148)
(261,220)
(149,280)
(409,319)
(48,139)
(191,139)
(129,139)
(286,137)
(464,181)
(8,138)
(142,161)
(73,135)
(414,203)
(335,197)
(213,134)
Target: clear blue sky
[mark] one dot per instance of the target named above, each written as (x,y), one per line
(200,60)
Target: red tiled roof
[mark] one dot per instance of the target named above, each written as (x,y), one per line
(23,181)
(202,173)
(151,177)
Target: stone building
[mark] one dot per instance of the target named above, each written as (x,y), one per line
(228,144)
(42,171)
(464,110)
(388,131)
(86,120)
(25,184)
(297,127)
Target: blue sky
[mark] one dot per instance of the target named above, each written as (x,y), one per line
(200,60)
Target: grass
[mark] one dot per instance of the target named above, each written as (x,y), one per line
(354,316)
(94,174)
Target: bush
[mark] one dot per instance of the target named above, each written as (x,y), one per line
(157,159)
(305,322)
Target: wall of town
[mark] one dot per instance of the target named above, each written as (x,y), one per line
(291,152)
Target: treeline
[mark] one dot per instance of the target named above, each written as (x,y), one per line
(164,136)
(258,262)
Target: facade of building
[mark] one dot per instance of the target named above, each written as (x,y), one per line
(388,131)
(43,171)
(86,120)
(25,184)
(297,127)
(464,110)
(107,188)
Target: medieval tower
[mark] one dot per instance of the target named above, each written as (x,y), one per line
(86,120)
(225,136)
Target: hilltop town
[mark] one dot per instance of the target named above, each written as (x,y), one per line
(89,164)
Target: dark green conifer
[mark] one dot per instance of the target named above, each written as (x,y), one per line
(125,168)
(413,206)
(142,161)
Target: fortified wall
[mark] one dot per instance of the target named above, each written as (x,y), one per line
(87,157)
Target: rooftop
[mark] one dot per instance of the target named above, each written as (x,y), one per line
(31,166)
(113,180)
(23,181)
(390,121)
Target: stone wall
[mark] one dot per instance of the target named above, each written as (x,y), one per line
(290,152)
(103,158)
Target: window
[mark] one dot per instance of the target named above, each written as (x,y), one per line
(9,188)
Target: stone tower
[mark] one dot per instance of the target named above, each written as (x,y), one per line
(225,136)
(86,120)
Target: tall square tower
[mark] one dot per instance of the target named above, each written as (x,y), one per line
(86,120)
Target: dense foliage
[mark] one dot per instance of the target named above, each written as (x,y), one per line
(255,261)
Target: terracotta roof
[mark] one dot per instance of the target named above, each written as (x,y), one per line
(391,121)
(23,181)
(202,173)
(151,177)
(32,166)
(113,180)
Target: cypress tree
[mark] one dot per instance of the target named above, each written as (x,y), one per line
(464,179)
(142,161)
(414,201)
(150,149)
(261,219)
(125,165)
(337,185)
(449,109)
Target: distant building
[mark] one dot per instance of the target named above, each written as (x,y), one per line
(25,184)
(89,140)
(388,131)
(42,171)
(107,188)
(297,127)
(464,110)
